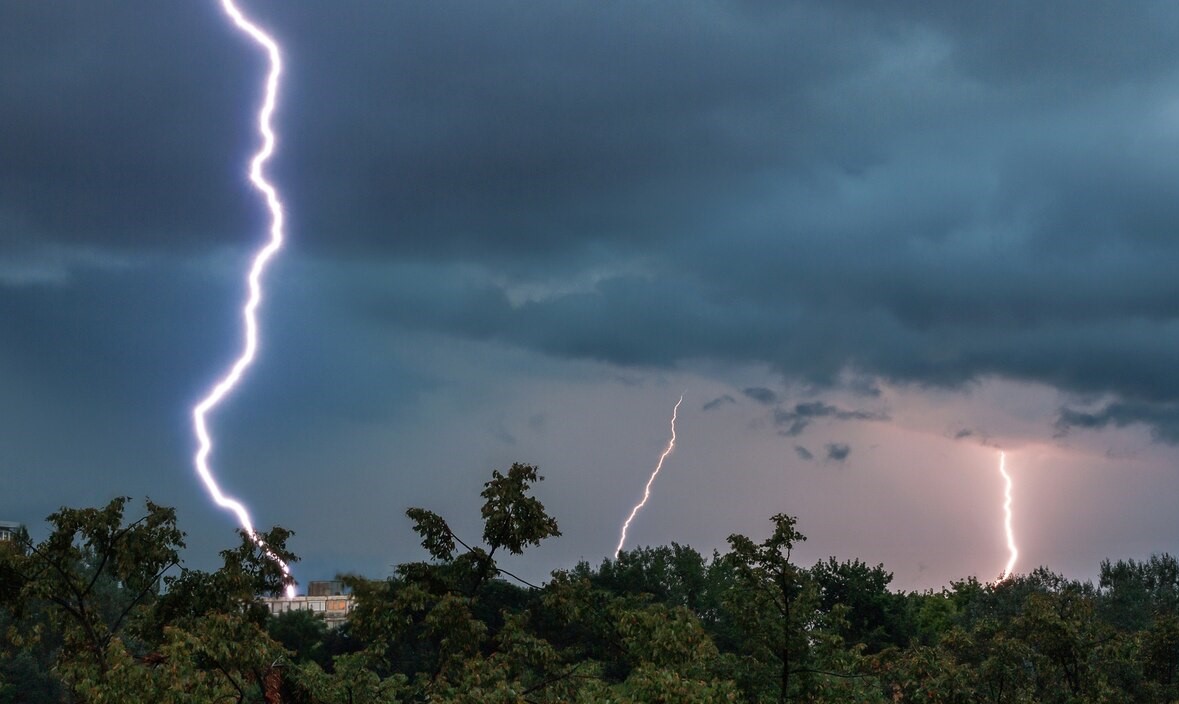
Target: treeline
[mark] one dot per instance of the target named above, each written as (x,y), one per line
(102,611)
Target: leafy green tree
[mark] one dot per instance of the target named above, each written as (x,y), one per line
(102,611)
(97,579)
(923,673)
(873,616)
(28,645)
(929,615)
(674,576)
(431,623)
(1159,653)
(1134,593)
(95,574)
(353,681)
(304,634)
(775,604)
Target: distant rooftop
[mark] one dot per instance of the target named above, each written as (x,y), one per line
(333,610)
(9,529)
(332,587)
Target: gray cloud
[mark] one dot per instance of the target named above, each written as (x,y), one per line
(847,193)
(792,422)
(837,451)
(963,433)
(718,402)
(917,193)
(922,244)
(761,395)
(1163,419)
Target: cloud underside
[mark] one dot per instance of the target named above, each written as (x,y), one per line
(925,194)
(837,451)
(1162,418)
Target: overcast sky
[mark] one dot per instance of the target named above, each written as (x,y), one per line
(871,243)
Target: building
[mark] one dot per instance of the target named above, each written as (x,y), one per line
(10,530)
(332,587)
(325,599)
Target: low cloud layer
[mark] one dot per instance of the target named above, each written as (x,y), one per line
(761,395)
(718,402)
(921,194)
(807,199)
(791,422)
(1163,419)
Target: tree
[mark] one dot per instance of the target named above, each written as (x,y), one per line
(775,603)
(94,574)
(872,614)
(1133,593)
(674,576)
(303,634)
(97,578)
(430,623)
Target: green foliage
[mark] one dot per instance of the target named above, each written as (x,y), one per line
(511,518)
(352,682)
(303,634)
(436,536)
(675,575)
(90,619)
(873,615)
(1135,593)
(93,574)
(101,611)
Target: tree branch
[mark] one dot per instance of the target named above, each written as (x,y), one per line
(843,675)
(142,593)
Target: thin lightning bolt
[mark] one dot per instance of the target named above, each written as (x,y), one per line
(647,489)
(249,317)
(1007,520)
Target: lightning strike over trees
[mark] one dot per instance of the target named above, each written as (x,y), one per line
(647,489)
(1014,551)
(249,311)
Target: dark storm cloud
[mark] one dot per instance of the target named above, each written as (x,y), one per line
(963,433)
(135,346)
(122,125)
(914,192)
(803,453)
(794,421)
(761,395)
(1010,40)
(1162,419)
(718,402)
(837,451)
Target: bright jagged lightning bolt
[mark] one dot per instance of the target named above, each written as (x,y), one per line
(1007,519)
(227,382)
(647,489)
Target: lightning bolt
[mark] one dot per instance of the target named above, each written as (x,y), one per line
(249,310)
(1007,519)
(647,489)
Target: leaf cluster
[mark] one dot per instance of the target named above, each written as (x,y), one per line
(103,611)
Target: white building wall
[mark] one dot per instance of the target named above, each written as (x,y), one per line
(333,609)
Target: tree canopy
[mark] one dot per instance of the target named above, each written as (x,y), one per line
(102,610)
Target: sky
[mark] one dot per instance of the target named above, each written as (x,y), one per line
(871,244)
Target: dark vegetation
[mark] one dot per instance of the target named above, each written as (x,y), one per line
(102,611)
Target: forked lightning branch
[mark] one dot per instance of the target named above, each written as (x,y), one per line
(263,256)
